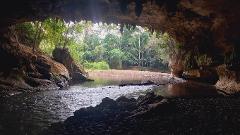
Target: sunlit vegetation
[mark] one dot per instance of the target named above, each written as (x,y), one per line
(101,65)
(99,46)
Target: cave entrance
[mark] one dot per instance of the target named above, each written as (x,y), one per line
(123,60)
(33,48)
(115,49)
(102,46)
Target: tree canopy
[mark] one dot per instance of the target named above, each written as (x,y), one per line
(111,44)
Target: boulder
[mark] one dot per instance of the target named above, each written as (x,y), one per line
(76,72)
(229,80)
(31,71)
(203,75)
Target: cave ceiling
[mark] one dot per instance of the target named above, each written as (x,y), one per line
(211,24)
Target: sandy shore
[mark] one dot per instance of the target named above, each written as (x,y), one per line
(134,75)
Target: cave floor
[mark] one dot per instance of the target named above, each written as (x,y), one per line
(154,115)
(181,108)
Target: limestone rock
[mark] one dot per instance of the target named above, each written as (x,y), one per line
(31,71)
(77,73)
(202,75)
(228,80)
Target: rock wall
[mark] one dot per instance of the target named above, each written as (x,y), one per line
(24,71)
(229,80)
(209,76)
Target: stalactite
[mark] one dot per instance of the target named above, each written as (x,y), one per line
(138,7)
(171,6)
(151,2)
(124,6)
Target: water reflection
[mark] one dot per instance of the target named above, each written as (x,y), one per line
(98,82)
(186,89)
(28,114)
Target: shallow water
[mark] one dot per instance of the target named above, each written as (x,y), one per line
(28,114)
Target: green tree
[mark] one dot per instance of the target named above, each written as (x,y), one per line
(96,44)
(28,33)
(115,58)
(53,30)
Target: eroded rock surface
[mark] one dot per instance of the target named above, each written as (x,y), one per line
(203,75)
(24,70)
(229,79)
(77,73)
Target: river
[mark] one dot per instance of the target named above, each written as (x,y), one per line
(30,113)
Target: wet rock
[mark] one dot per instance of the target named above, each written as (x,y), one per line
(61,81)
(149,98)
(138,84)
(123,99)
(216,115)
(107,102)
(79,77)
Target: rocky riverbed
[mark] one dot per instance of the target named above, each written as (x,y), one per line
(155,115)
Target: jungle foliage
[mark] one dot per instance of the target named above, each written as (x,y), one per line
(99,46)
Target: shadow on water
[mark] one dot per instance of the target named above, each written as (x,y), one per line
(29,114)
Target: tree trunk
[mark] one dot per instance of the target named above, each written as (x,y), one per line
(139,51)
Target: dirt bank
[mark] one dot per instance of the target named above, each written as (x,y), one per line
(134,76)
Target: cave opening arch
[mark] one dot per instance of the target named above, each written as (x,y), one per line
(200,26)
